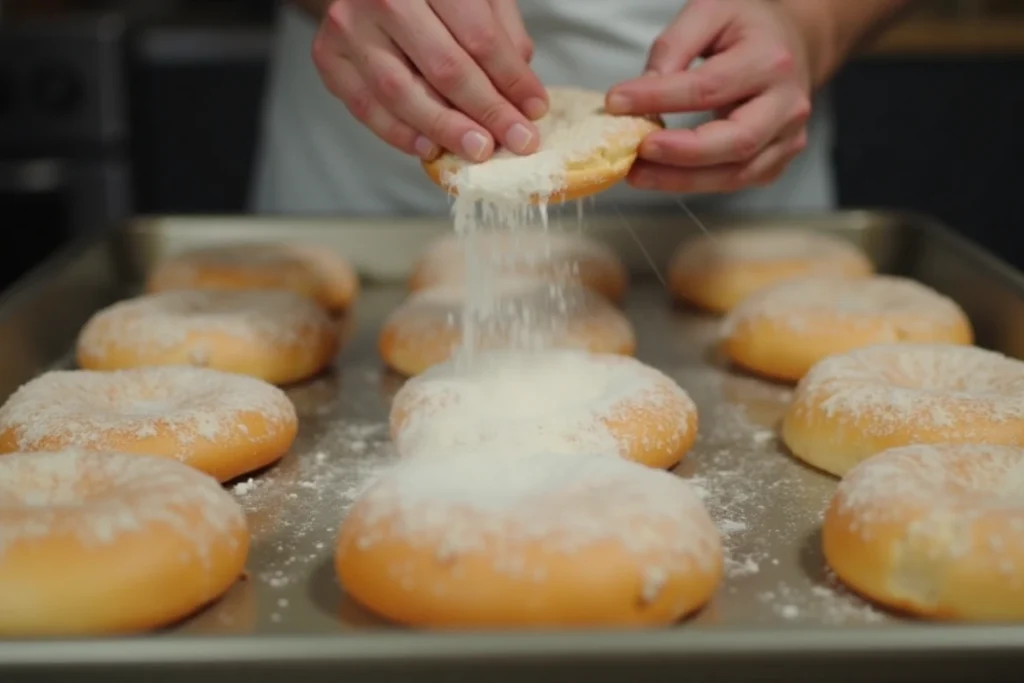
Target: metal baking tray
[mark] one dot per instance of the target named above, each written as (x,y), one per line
(778,612)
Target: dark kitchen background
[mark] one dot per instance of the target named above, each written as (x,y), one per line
(151,106)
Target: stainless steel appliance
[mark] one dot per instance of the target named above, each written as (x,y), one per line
(64,168)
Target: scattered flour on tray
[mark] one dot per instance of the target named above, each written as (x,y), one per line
(761,500)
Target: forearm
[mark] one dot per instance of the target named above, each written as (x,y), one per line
(314,8)
(834,29)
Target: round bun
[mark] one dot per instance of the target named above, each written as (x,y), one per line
(553,401)
(95,543)
(718,270)
(529,541)
(220,423)
(427,328)
(583,151)
(548,255)
(782,331)
(933,530)
(854,405)
(277,336)
(313,272)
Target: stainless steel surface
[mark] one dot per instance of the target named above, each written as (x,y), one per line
(777,611)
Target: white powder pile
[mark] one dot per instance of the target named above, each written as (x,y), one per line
(567,503)
(97,498)
(892,307)
(904,385)
(160,322)
(82,408)
(549,402)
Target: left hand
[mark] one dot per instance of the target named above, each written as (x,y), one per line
(755,78)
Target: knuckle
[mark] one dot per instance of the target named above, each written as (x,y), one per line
(660,47)
(482,42)
(441,128)
(337,18)
(493,113)
(781,62)
(802,109)
(361,104)
(388,87)
(446,71)
(384,7)
(318,51)
(745,143)
(706,90)
(525,47)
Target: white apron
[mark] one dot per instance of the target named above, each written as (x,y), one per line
(314,158)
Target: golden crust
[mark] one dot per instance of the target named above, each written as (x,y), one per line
(928,530)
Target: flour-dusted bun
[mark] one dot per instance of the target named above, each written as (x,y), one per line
(583,151)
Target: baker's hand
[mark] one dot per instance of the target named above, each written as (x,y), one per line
(430,74)
(755,78)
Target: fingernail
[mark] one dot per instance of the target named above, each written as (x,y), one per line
(535,108)
(619,104)
(518,138)
(474,144)
(425,148)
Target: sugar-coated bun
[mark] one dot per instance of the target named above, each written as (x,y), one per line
(782,331)
(427,328)
(550,401)
(583,151)
(716,271)
(852,406)
(545,254)
(933,530)
(312,271)
(275,335)
(95,543)
(220,423)
(521,540)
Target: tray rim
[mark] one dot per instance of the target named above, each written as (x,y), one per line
(459,648)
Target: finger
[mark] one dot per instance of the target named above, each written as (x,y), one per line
(739,138)
(511,19)
(402,93)
(342,80)
(483,36)
(697,26)
(764,169)
(425,39)
(731,76)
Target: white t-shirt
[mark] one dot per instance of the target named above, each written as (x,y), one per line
(314,158)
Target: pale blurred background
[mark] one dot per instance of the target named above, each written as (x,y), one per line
(110,108)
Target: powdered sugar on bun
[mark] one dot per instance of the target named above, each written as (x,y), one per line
(934,529)
(783,330)
(583,149)
(275,335)
(222,423)
(553,402)
(149,540)
(529,538)
(854,405)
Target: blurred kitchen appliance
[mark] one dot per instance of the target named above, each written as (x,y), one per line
(64,159)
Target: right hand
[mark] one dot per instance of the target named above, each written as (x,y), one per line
(433,75)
